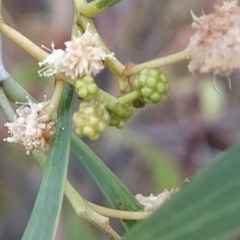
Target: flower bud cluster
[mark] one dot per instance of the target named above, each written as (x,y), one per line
(152,84)
(91,119)
(86,87)
(123,113)
(32,127)
(116,120)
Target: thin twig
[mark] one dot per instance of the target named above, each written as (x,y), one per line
(156,63)
(51,108)
(119,214)
(83,210)
(23,41)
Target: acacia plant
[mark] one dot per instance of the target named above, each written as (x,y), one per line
(206,208)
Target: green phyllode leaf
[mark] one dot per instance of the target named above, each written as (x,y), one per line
(207,208)
(106,3)
(117,194)
(94,8)
(45,215)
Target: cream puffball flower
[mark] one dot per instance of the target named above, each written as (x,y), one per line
(215,47)
(83,56)
(53,62)
(152,202)
(32,127)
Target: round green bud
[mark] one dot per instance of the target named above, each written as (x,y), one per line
(91,119)
(117,120)
(86,87)
(152,85)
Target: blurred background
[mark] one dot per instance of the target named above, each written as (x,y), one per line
(160,147)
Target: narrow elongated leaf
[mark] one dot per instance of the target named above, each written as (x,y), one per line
(207,208)
(45,215)
(117,194)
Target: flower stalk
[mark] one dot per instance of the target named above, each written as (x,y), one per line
(156,63)
(23,41)
(52,107)
(129,97)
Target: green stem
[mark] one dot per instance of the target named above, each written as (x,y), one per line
(96,7)
(177,57)
(78,203)
(109,100)
(119,214)
(113,104)
(83,210)
(51,108)
(23,42)
(129,97)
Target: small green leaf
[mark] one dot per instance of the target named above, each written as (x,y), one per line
(94,8)
(207,208)
(106,3)
(117,194)
(45,215)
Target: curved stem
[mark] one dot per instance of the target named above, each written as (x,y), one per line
(23,42)
(129,97)
(177,57)
(113,213)
(78,203)
(113,104)
(96,7)
(83,210)
(51,108)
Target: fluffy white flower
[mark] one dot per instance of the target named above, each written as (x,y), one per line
(83,56)
(53,62)
(32,127)
(215,47)
(152,202)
